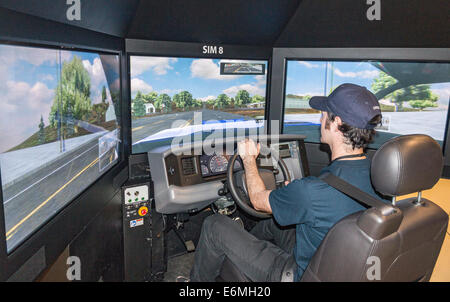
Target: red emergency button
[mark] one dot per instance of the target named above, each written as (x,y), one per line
(143,211)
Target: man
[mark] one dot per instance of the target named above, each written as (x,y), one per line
(304,210)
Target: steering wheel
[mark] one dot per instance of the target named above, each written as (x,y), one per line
(238,187)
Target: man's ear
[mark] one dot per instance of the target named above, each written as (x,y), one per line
(337,122)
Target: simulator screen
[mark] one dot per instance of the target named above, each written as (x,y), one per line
(177,97)
(414,96)
(59,119)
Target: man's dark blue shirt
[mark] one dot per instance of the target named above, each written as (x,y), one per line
(314,207)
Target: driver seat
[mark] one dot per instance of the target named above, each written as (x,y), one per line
(383,243)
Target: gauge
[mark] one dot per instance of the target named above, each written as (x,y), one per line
(205,170)
(218,164)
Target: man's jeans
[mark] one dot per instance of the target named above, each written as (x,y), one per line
(261,254)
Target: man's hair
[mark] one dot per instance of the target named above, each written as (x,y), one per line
(356,137)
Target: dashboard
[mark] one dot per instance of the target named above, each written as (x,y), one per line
(188,182)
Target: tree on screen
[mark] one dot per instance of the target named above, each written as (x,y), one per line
(163,103)
(418,96)
(104,95)
(73,91)
(183,100)
(197,103)
(150,97)
(98,114)
(41,135)
(222,101)
(138,105)
(70,123)
(211,103)
(242,98)
(422,104)
(257,99)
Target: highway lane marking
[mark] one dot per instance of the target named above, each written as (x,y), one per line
(137,128)
(188,123)
(27,188)
(48,199)
(158,122)
(154,123)
(9,237)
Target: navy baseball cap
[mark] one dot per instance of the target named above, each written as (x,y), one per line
(354,104)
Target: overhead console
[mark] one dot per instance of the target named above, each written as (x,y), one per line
(185,181)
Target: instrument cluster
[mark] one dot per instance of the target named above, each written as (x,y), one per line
(216,164)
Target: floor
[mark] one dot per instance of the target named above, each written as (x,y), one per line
(179,266)
(179,261)
(440,195)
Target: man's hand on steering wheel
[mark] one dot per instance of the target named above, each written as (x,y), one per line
(248,150)
(250,180)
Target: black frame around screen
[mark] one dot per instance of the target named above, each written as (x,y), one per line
(282,55)
(193,50)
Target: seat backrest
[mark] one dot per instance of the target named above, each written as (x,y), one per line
(361,248)
(408,254)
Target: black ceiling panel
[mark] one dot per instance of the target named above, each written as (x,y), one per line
(343,23)
(279,23)
(111,17)
(241,22)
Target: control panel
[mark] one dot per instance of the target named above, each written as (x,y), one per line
(143,233)
(136,205)
(136,194)
(136,220)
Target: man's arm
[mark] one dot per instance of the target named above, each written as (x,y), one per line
(257,192)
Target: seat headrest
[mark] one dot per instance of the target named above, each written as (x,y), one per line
(406,164)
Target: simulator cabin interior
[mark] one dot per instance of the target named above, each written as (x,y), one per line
(121,121)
